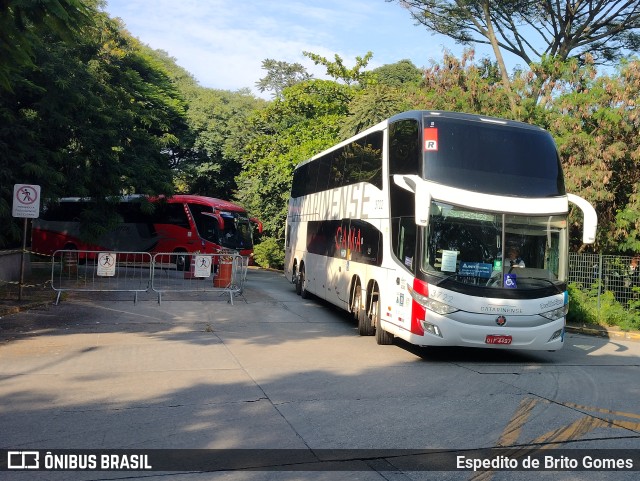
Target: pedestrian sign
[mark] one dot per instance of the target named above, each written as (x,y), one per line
(202,266)
(26,201)
(106,264)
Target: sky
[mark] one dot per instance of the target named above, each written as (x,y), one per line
(222,43)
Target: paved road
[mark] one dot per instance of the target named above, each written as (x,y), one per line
(277,371)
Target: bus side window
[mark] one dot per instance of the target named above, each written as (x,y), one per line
(404,158)
(172,214)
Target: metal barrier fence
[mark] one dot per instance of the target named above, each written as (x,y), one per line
(136,272)
(92,271)
(230,274)
(618,274)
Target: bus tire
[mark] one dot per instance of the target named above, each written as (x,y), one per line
(383,338)
(301,286)
(365,323)
(356,302)
(182,261)
(294,278)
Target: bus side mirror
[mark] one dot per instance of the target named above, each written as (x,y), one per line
(257,223)
(590,218)
(220,222)
(422,196)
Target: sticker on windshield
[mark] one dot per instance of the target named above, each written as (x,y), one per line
(431,139)
(476,269)
(510,281)
(449,260)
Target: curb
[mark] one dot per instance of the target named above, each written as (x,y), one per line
(8,310)
(608,332)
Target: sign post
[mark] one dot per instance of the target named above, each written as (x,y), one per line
(26,205)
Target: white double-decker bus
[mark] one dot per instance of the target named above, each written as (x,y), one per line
(439,228)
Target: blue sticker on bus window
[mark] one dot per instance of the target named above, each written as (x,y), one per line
(510,281)
(476,269)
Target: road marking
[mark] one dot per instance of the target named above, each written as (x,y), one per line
(551,439)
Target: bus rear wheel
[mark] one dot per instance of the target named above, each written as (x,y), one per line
(300,286)
(356,302)
(366,327)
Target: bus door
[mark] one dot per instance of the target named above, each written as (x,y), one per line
(339,264)
(404,249)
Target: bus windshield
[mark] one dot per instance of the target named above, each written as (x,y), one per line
(494,250)
(236,234)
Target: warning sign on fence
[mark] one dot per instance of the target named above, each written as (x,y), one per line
(106,264)
(203,266)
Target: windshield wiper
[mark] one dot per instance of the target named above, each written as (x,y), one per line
(544,280)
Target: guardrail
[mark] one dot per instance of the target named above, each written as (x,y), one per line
(224,273)
(136,272)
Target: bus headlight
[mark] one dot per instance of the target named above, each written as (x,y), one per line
(431,304)
(556,313)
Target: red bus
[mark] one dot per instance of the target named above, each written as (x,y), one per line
(182,224)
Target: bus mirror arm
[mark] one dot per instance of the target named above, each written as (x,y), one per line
(590,218)
(413,183)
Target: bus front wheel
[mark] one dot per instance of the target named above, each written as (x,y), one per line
(182,261)
(383,338)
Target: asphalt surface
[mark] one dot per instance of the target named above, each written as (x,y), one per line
(271,371)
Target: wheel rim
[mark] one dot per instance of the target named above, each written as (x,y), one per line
(357,302)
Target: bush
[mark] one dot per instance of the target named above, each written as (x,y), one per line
(584,309)
(269,253)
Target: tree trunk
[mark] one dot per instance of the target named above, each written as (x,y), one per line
(496,51)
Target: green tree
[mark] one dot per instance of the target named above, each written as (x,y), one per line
(281,75)
(400,74)
(93,117)
(374,104)
(595,122)
(532,29)
(339,71)
(464,85)
(217,120)
(305,121)
(24,23)
(535,30)
(208,157)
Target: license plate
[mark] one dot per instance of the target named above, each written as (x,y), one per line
(491,339)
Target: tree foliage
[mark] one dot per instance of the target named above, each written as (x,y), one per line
(91,116)
(25,24)
(281,75)
(400,74)
(533,29)
(339,71)
(305,121)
